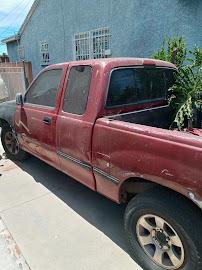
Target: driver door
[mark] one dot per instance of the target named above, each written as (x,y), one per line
(36,119)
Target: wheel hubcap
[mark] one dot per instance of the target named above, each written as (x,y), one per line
(160,242)
(11,143)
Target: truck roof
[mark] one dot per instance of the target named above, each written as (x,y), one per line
(124,61)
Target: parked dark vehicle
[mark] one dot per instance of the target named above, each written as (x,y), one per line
(106,124)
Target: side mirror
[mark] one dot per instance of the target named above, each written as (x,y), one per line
(19,99)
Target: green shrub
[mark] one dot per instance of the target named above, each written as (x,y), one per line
(188,84)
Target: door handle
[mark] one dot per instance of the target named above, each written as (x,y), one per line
(47,120)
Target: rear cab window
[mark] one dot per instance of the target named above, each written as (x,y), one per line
(136,85)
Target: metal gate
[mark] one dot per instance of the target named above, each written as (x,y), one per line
(11,82)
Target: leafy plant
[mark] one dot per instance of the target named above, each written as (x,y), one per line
(187,86)
(172,50)
(188,81)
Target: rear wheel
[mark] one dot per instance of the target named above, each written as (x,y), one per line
(11,145)
(164,231)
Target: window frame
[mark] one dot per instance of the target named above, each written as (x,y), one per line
(21,52)
(44,51)
(66,88)
(135,103)
(34,82)
(105,33)
(89,39)
(87,42)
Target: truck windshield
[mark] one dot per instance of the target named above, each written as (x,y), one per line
(129,86)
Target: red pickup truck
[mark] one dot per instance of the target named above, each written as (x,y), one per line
(106,123)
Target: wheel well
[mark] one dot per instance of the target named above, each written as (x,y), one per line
(3,122)
(134,186)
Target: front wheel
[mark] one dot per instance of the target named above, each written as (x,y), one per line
(164,231)
(11,145)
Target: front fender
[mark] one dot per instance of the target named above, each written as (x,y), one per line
(7,113)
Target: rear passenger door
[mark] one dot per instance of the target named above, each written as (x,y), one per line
(74,129)
(36,120)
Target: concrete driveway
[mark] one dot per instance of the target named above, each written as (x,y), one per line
(49,221)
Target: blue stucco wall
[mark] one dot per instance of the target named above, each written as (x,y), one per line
(12,51)
(137,26)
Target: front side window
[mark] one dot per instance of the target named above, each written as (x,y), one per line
(76,94)
(43,91)
(130,86)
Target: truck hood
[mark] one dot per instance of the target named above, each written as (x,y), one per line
(7,112)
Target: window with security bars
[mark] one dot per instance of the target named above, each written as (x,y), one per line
(92,44)
(21,52)
(82,46)
(45,58)
(101,43)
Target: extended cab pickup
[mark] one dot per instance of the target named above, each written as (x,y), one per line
(106,123)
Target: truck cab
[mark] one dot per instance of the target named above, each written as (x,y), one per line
(105,122)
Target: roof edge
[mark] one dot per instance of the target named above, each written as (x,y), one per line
(11,39)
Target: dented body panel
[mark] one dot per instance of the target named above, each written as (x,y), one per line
(168,158)
(102,152)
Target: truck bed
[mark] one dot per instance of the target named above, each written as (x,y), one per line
(159,117)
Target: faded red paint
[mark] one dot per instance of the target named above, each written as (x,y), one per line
(169,158)
(122,150)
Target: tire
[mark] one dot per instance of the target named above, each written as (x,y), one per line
(181,219)
(18,154)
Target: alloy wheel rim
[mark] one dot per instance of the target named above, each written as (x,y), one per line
(160,242)
(11,143)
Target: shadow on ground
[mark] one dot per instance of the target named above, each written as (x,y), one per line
(99,211)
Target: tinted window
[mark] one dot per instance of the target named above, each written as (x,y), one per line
(44,90)
(137,85)
(76,94)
